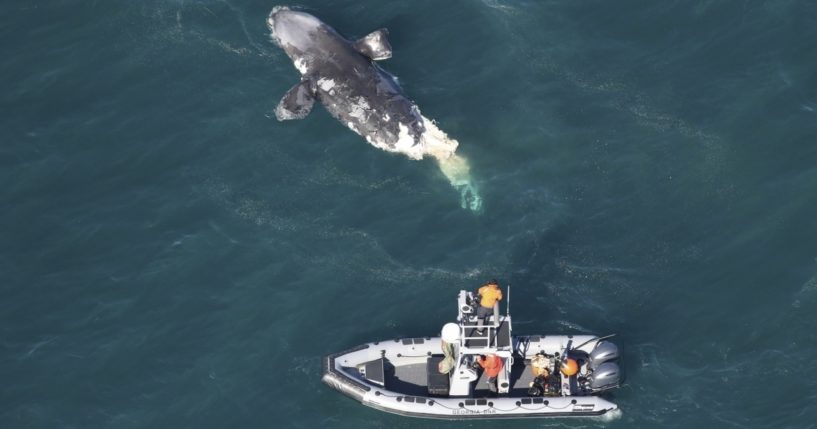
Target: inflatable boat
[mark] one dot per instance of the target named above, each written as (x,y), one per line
(442,378)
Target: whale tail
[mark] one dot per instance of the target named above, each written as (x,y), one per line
(458,172)
(455,167)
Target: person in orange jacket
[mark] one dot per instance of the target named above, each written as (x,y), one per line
(490,294)
(492,365)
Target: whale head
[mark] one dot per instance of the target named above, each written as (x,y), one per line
(293,30)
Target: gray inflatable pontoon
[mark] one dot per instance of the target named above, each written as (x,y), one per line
(403,376)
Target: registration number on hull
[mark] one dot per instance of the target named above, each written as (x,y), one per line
(466,412)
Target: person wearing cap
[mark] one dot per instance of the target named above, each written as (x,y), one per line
(489,294)
(492,365)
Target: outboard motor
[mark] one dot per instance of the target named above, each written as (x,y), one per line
(606,376)
(603,372)
(603,352)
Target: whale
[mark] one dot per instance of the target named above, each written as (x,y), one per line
(343,76)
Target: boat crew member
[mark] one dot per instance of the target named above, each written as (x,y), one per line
(492,364)
(489,295)
(540,367)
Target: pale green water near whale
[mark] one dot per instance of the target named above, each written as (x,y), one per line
(172,256)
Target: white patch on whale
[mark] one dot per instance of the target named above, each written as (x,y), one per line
(360,109)
(326,84)
(300,64)
(435,142)
(406,144)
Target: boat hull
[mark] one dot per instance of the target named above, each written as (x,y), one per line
(340,372)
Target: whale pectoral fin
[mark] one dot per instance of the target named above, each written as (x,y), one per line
(297,102)
(375,45)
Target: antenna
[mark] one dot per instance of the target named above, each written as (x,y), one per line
(508,302)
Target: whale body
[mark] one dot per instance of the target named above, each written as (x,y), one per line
(342,75)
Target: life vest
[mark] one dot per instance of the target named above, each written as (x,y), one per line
(492,364)
(490,295)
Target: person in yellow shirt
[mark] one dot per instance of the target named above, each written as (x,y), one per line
(489,295)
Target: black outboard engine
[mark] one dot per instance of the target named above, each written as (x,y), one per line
(603,371)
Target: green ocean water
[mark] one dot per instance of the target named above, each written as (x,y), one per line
(174,257)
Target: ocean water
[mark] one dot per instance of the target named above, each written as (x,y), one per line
(174,257)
